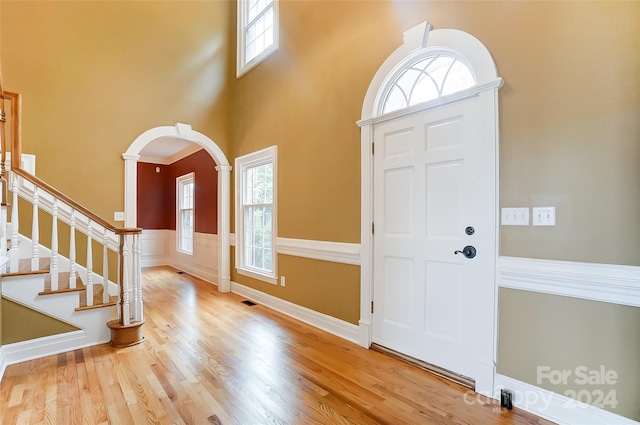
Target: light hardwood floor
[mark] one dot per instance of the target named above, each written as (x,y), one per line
(209,359)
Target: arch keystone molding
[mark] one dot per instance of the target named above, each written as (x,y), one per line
(419,42)
(184,132)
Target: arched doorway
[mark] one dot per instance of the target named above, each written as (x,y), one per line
(185,132)
(429,149)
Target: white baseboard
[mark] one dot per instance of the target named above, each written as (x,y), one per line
(556,407)
(46,346)
(608,283)
(322,321)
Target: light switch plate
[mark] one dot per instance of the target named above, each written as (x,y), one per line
(544,216)
(118,216)
(515,216)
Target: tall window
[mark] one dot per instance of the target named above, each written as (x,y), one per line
(185,214)
(256,214)
(257,32)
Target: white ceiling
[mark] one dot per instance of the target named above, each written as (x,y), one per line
(167,150)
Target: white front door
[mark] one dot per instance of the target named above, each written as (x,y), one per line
(430,172)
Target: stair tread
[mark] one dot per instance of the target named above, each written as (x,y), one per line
(97,299)
(24,267)
(63,284)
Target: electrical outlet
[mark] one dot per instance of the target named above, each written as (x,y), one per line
(282,281)
(515,216)
(544,216)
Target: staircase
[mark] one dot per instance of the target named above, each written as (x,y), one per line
(105,305)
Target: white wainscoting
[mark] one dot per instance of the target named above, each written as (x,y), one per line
(608,283)
(159,248)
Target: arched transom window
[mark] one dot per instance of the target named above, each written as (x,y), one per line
(427,79)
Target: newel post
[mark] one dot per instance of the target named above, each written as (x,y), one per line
(127,329)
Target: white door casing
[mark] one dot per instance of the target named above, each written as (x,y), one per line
(475,286)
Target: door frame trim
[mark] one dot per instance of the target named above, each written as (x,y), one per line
(416,41)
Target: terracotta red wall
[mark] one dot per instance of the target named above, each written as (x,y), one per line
(157,193)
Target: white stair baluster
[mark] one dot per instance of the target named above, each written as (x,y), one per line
(126,308)
(13,253)
(138,271)
(89,288)
(72,250)
(3,230)
(54,246)
(35,232)
(134,277)
(105,267)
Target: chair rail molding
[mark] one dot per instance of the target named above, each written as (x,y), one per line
(608,283)
(335,252)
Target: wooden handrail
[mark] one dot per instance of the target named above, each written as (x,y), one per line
(16,132)
(64,198)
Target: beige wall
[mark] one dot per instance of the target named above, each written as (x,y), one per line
(569,116)
(20,323)
(569,138)
(95,75)
(562,334)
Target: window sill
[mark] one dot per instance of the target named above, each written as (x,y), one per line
(259,276)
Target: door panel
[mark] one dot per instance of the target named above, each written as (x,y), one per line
(427,188)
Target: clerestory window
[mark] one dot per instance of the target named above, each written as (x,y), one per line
(427,79)
(257,32)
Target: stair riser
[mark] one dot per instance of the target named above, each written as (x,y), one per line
(25,289)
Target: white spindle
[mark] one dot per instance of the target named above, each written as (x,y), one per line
(3,229)
(136,280)
(72,251)
(54,246)
(35,232)
(13,253)
(126,308)
(105,267)
(89,288)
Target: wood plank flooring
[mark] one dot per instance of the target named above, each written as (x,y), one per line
(209,359)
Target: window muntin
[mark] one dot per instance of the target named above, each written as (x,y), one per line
(185,201)
(257,32)
(427,79)
(256,214)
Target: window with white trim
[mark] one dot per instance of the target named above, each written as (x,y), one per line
(257,32)
(256,214)
(185,214)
